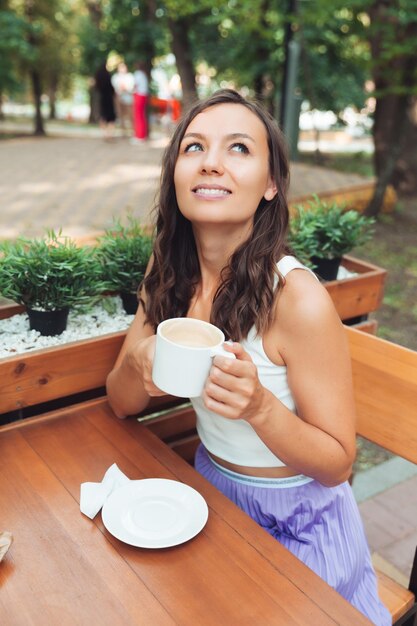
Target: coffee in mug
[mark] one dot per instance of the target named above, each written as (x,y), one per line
(184,351)
(194,335)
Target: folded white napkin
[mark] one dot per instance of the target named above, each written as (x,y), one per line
(94,495)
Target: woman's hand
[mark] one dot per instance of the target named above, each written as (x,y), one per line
(233,389)
(141,357)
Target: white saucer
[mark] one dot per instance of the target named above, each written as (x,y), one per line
(154,513)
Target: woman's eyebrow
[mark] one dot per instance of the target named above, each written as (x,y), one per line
(230,136)
(193,135)
(240,136)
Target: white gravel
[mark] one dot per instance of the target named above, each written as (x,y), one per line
(15,336)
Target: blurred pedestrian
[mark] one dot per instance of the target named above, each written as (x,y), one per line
(140,103)
(106,93)
(123,83)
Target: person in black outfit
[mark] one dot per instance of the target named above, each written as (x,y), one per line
(106,99)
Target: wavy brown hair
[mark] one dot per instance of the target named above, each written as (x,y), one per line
(247,291)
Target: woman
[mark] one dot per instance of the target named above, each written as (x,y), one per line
(277,423)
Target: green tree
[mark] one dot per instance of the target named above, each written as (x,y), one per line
(134,30)
(14,49)
(48,44)
(334,57)
(242,41)
(59,56)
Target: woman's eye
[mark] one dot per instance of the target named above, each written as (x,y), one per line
(193,147)
(240,147)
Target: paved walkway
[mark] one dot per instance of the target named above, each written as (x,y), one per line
(78,183)
(387,496)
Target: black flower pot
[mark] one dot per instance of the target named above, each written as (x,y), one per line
(130,302)
(48,322)
(327,269)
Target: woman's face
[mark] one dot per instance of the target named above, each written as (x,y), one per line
(222,169)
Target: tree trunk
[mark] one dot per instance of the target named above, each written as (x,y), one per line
(35,78)
(52,105)
(182,52)
(389,143)
(263,83)
(2,116)
(290,11)
(310,92)
(149,10)
(37,92)
(53,86)
(405,174)
(95,12)
(386,170)
(94,106)
(393,78)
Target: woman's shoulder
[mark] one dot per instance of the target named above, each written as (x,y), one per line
(302,300)
(288,263)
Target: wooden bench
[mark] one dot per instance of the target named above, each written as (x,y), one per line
(385,382)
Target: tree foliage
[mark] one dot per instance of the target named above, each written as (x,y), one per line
(39,45)
(14,49)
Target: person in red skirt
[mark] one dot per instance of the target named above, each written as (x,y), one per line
(140,103)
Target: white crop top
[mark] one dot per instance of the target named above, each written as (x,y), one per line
(235,440)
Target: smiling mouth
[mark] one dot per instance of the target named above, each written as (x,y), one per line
(211,191)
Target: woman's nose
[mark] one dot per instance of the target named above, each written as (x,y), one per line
(212,162)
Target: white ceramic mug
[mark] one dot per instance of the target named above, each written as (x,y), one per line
(184,351)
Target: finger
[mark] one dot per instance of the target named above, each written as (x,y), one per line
(230,381)
(221,408)
(220,394)
(237,397)
(237,349)
(234,367)
(240,394)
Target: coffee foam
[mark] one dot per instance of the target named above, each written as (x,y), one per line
(191,334)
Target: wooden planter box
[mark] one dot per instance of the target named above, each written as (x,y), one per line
(44,375)
(359,295)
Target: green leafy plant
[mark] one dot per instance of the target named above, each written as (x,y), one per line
(49,273)
(327,231)
(123,252)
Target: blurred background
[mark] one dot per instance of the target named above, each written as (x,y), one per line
(341,80)
(341,76)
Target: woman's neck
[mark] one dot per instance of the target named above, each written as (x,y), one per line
(214,248)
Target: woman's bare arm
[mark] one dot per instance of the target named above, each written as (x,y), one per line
(126,383)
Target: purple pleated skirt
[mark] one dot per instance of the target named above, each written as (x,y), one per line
(320,525)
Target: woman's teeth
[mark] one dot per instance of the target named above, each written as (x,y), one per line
(211,192)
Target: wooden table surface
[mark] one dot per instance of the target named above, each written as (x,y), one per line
(64,568)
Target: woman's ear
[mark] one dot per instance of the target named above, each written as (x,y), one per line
(271,190)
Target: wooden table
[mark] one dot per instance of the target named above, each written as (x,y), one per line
(65,569)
